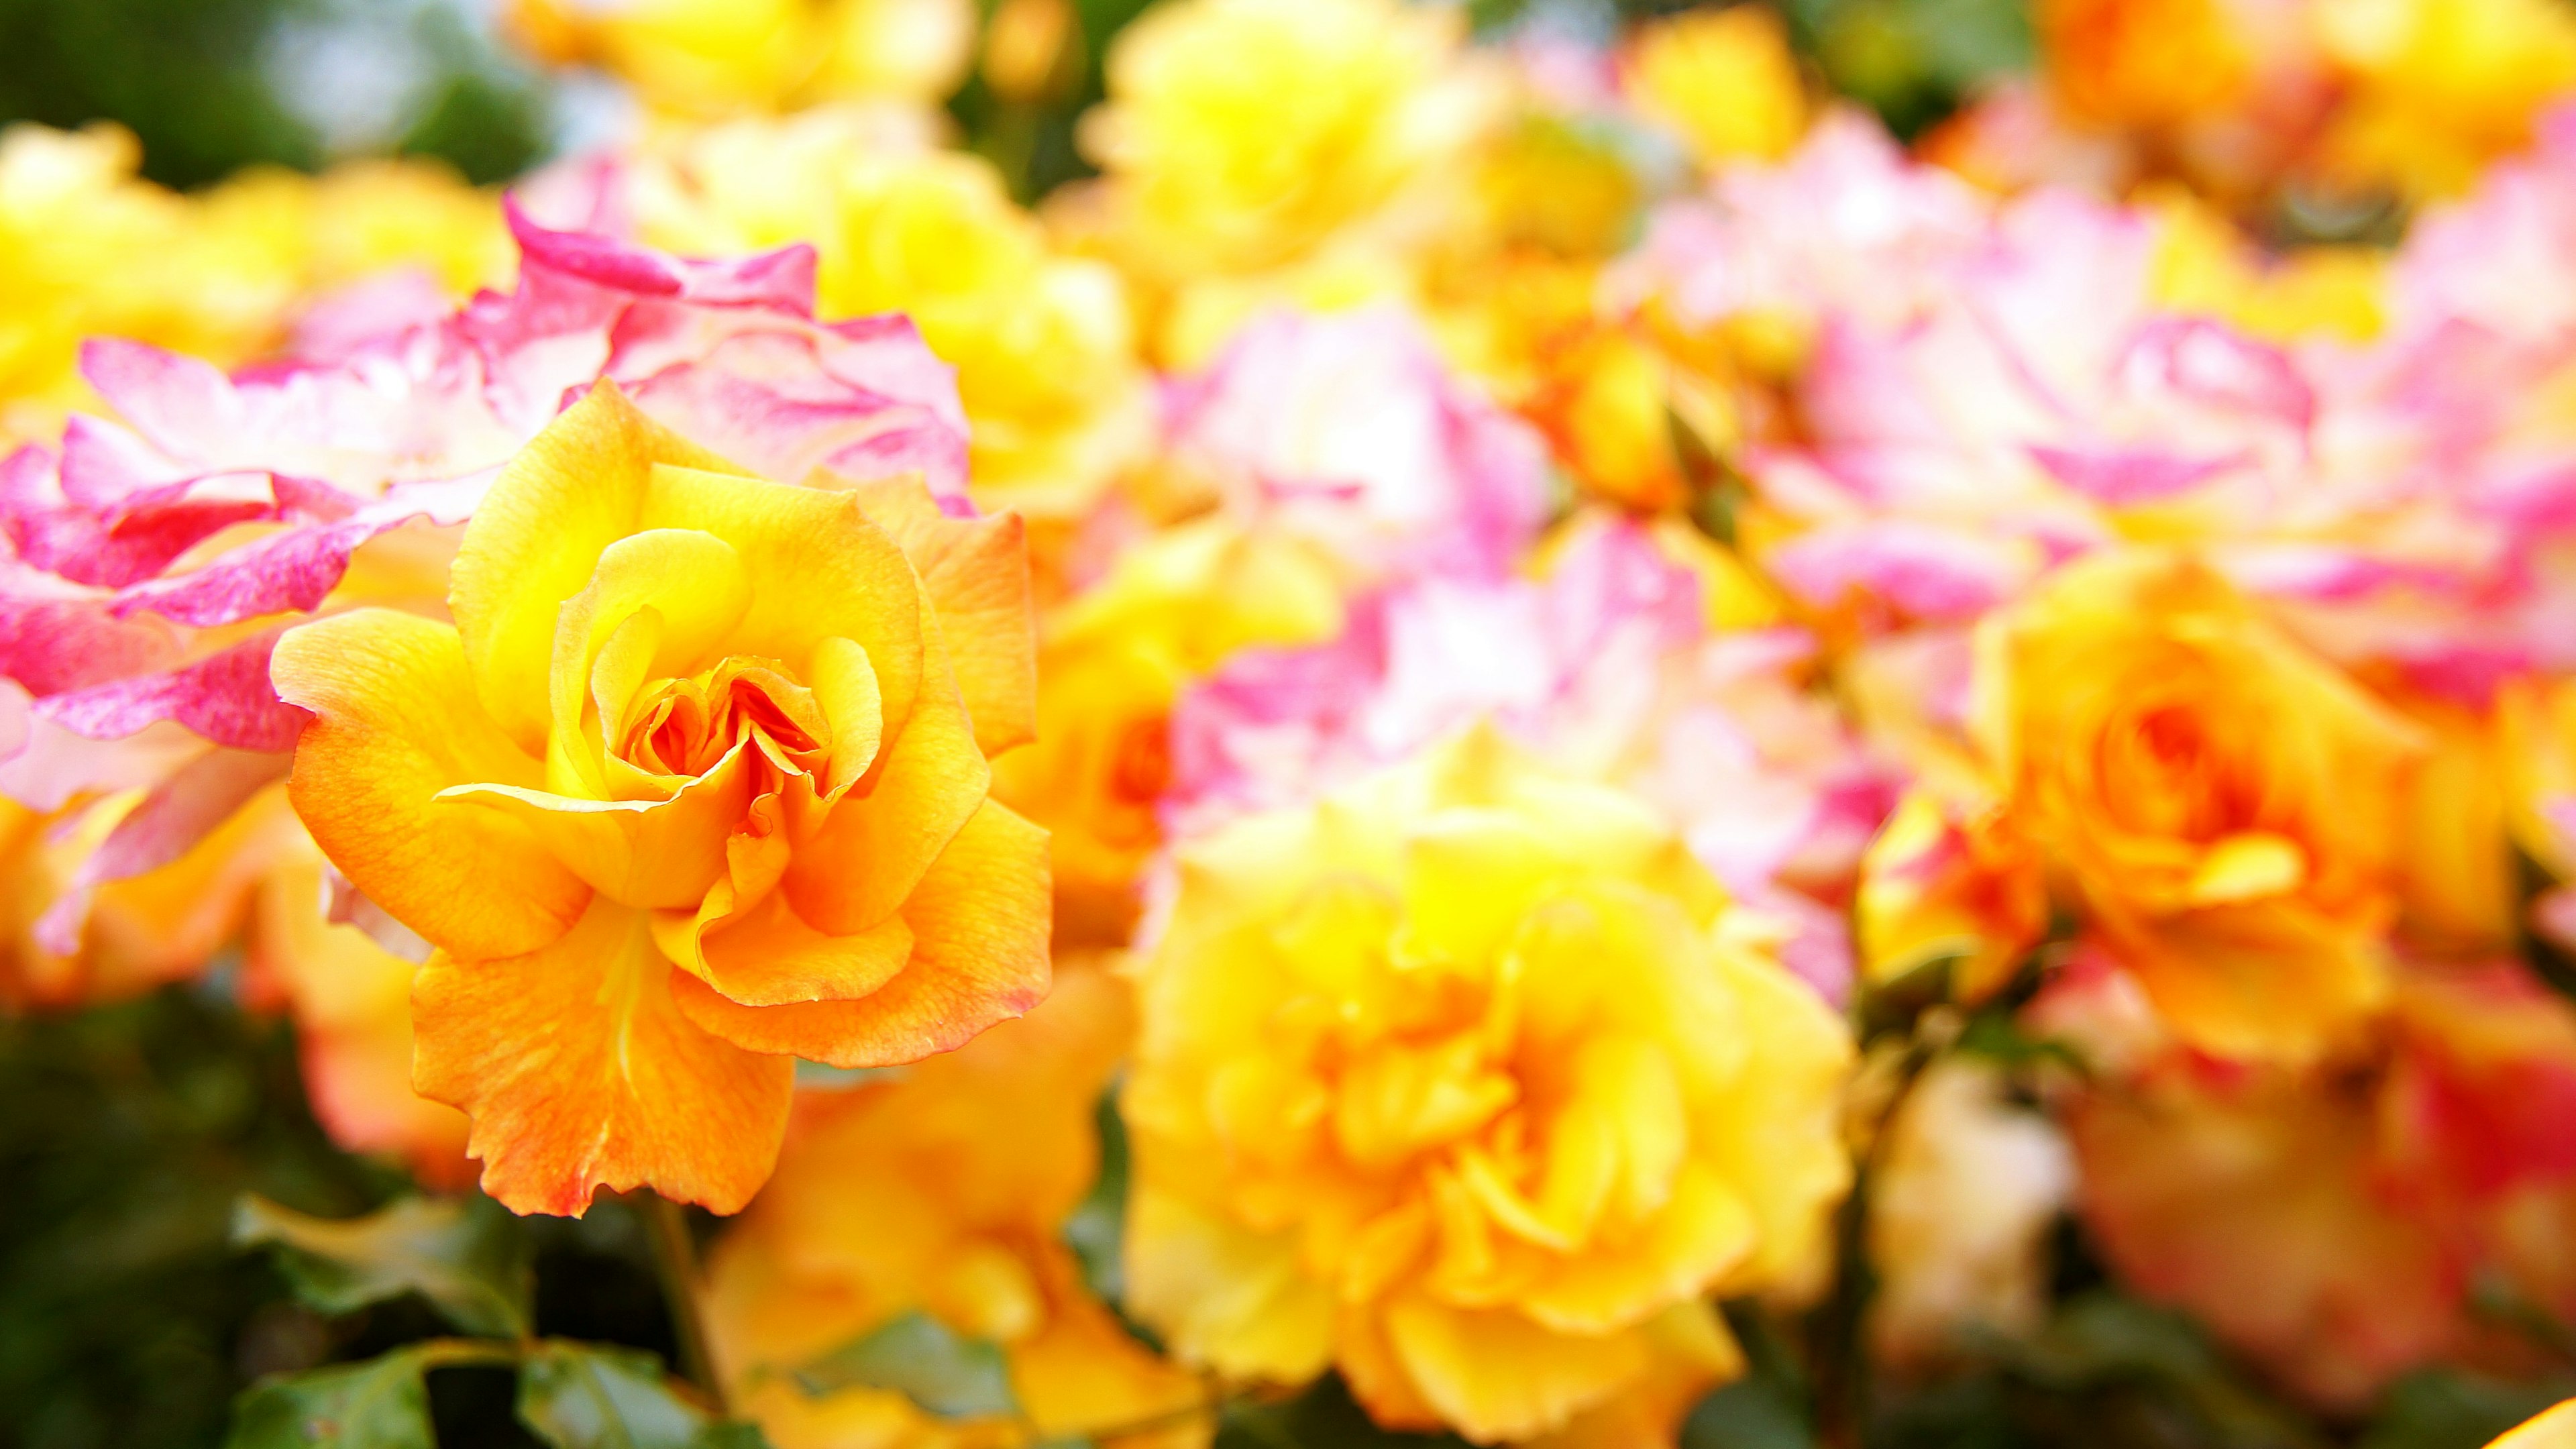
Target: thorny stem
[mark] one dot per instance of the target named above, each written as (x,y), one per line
(675,1261)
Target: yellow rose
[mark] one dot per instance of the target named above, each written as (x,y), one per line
(1462,1083)
(1239,134)
(2222,804)
(2438,88)
(945,1192)
(693,784)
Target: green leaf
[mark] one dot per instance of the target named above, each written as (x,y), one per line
(1764,1409)
(468,1258)
(924,1360)
(377,1404)
(589,1396)
(1323,1417)
(1750,1413)
(1096,1229)
(2448,1409)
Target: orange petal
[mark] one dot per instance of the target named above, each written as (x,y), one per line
(396,722)
(578,1074)
(979,922)
(977,572)
(653,854)
(767,957)
(536,538)
(870,851)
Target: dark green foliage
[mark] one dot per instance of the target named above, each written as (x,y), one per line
(126,1317)
(926,1361)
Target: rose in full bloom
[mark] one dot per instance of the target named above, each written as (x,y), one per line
(1461,1082)
(693,785)
(2222,805)
(945,1192)
(154,555)
(1241,135)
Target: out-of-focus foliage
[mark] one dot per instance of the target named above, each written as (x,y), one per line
(211,86)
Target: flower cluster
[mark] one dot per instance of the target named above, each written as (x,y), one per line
(1515,723)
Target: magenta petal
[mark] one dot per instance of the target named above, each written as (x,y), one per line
(225,698)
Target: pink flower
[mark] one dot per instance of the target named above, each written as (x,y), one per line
(1847,223)
(1607,668)
(1346,430)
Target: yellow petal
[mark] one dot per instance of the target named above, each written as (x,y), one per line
(979,924)
(578,1073)
(395,723)
(2247,866)
(1225,1297)
(768,957)
(651,854)
(1496,1375)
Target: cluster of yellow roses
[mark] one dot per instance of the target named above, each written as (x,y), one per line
(1539,656)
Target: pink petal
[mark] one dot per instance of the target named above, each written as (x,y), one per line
(225,698)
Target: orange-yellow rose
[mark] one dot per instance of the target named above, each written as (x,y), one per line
(694,784)
(1465,1082)
(945,1192)
(2221,804)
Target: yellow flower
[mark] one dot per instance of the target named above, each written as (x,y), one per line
(945,1192)
(88,248)
(2438,88)
(2223,804)
(1724,78)
(694,784)
(1043,343)
(1463,1083)
(1239,134)
(715,57)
